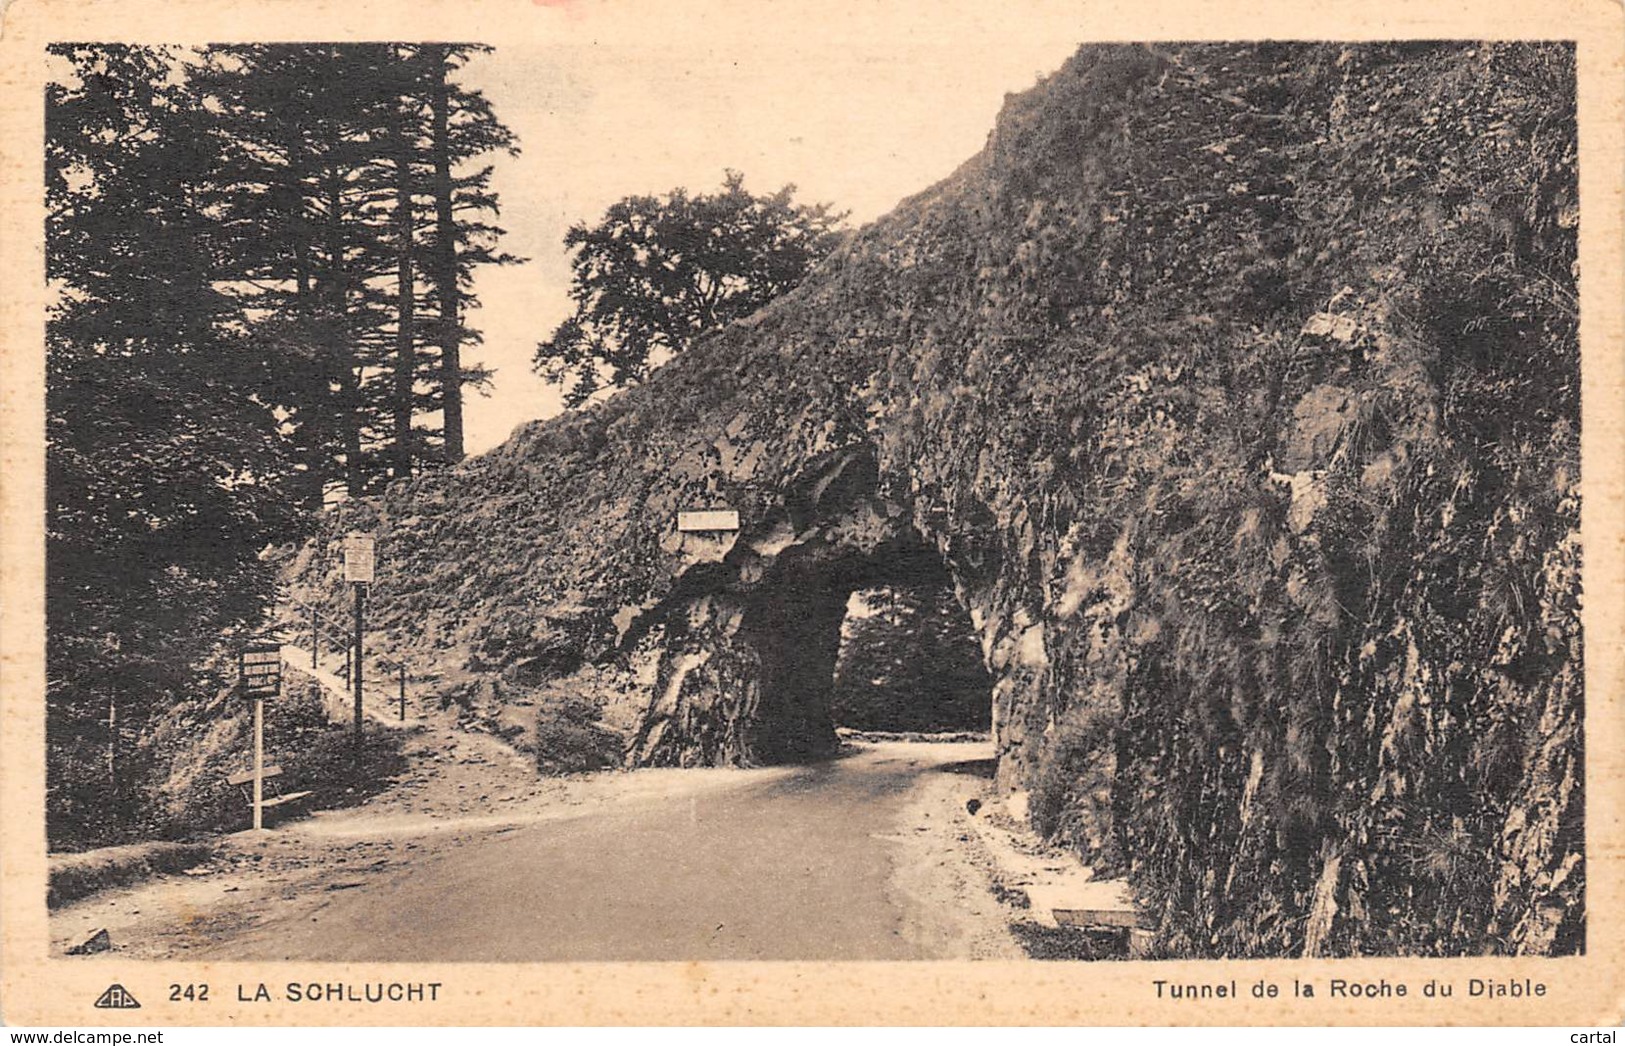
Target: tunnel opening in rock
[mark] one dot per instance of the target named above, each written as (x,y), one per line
(849,620)
(800,617)
(835,611)
(909,661)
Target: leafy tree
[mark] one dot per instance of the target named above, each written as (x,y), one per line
(298,130)
(657,271)
(910,662)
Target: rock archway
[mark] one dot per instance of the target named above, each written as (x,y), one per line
(745,648)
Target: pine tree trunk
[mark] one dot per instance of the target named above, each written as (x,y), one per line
(405,350)
(313,425)
(445,264)
(349,405)
(315,411)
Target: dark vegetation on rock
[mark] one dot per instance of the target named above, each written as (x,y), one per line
(1236,388)
(570,737)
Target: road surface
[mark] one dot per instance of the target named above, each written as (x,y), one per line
(839,860)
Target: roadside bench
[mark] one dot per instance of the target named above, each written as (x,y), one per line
(269,799)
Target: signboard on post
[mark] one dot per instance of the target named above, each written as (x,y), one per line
(259,670)
(707,520)
(358,571)
(358,558)
(259,673)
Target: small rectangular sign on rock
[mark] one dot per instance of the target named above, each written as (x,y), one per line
(707,520)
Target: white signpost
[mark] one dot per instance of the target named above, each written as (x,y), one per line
(358,559)
(707,521)
(259,672)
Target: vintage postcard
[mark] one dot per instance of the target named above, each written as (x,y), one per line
(608,511)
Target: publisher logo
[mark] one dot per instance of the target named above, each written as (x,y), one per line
(117,997)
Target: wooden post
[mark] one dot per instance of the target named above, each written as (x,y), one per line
(403,692)
(259,762)
(112,743)
(315,639)
(256,678)
(358,563)
(356,658)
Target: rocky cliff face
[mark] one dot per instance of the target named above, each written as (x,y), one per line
(1236,388)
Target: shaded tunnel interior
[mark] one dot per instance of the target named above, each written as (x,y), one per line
(869,640)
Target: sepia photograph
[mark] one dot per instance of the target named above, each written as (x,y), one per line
(1032,500)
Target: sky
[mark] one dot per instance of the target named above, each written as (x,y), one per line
(859,105)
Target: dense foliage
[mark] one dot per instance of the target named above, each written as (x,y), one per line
(164,476)
(657,272)
(358,210)
(909,661)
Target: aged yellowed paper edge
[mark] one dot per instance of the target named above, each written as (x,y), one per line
(36,989)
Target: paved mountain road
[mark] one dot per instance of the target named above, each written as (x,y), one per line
(856,858)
